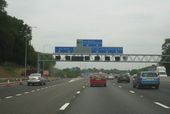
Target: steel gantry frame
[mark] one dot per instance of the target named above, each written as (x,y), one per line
(135,58)
(126,58)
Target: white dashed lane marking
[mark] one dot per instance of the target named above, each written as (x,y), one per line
(33,91)
(38,89)
(26,92)
(71,81)
(78,92)
(131,91)
(8,97)
(64,106)
(18,95)
(162,105)
(120,86)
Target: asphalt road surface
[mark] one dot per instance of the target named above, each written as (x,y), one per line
(121,98)
(74,96)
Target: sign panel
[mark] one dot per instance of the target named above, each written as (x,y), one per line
(64,49)
(107,50)
(90,43)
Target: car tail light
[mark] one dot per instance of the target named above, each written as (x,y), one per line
(141,77)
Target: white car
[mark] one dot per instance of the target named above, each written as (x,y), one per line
(36,78)
(110,77)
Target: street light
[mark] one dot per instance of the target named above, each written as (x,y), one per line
(25,57)
(26,44)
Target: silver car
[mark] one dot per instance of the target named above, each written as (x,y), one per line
(36,78)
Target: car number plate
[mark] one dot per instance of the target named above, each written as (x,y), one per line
(149,78)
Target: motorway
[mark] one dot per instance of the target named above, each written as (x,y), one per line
(74,96)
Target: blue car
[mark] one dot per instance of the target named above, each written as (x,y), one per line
(146,79)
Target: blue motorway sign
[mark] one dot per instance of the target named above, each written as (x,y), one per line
(107,50)
(91,43)
(64,49)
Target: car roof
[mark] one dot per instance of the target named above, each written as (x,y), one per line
(148,72)
(35,74)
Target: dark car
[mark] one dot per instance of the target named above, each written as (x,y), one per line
(146,79)
(123,78)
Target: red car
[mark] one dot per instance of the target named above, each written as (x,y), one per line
(98,81)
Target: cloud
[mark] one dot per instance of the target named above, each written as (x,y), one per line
(140,26)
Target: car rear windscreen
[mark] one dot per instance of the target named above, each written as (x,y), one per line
(162,73)
(149,75)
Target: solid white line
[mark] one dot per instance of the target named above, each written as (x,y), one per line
(42,88)
(84,87)
(162,105)
(8,97)
(26,92)
(78,92)
(64,106)
(18,95)
(132,92)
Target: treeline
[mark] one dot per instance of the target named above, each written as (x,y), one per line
(76,71)
(14,36)
(46,64)
(166,51)
(68,72)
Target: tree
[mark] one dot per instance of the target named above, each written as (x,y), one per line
(14,36)
(3,5)
(47,65)
(166,51)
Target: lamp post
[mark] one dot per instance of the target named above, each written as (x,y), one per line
(25,57)
(26,49)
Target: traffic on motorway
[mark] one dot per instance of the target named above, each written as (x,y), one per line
(84,94)
(84,57)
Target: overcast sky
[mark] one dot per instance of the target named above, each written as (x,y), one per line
(139,26)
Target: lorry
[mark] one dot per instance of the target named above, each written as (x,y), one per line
(161,71)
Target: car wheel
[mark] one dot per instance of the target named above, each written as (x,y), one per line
(91,85)
(28,84)
(134,86)
(157,86)
(138,86)
(44,83)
